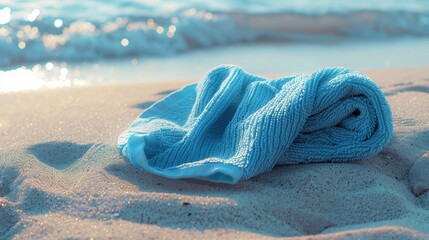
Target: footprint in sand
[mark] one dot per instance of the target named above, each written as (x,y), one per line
(8,176)
(59,155)
(8,219)
(419,176)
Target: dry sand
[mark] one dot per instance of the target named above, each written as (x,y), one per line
(62,177)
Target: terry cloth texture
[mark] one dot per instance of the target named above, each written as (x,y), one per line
(234,125)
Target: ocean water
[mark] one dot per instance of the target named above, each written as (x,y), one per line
(42,39)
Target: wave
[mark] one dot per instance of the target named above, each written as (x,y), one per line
(48,38)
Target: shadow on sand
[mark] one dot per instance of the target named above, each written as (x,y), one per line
(417,88)
(144,105)
(59,155)
(288,201)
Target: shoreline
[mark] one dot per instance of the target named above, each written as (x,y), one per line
(284,58)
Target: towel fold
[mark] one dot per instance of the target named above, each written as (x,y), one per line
(234,125)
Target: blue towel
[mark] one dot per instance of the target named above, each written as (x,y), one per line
(234,125)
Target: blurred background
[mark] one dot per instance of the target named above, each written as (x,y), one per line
(55,44)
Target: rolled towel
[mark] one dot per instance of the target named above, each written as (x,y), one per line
(234,125)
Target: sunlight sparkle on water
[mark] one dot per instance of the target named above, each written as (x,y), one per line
(20,34)
(172,28)
(150,23)
(171,31)
(49,66)
(33,15)
(64,71)
(36,35)
(58,23)
(5,15)
(4,32)
(124,42)
(21,45)
(28,80)
(159,29)
(50,76)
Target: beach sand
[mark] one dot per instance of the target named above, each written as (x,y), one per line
(61,175)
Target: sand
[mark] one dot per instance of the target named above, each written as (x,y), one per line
(61,176)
